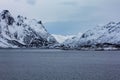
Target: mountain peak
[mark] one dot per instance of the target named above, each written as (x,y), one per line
(111,23)
(23,32)
(5,15)
(102,37)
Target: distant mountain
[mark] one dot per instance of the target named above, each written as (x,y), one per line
(73,39)
(62,38)
(99,38)
(21,32)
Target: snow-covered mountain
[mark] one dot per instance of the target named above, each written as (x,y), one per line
(62,38)
(100,37)
(20,31)
(73,39)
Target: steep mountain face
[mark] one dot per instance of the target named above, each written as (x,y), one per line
(105,37)
(23,32)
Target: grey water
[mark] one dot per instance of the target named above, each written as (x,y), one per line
(36,64)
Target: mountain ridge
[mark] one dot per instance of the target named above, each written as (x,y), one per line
(22,32)
(98,38)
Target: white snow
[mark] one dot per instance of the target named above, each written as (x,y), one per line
(101,34)
(62,38)
(21,29)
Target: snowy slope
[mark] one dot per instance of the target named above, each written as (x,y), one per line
(98,37)
(73,39)
(23,32)
(106,34)
(62,38)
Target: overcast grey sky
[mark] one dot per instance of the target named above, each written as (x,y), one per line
(66,16)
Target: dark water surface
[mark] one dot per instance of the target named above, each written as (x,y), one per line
(35,64)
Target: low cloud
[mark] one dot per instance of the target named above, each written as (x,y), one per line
(32,2)
(71,3)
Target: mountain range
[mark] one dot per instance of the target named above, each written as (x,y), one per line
(105,37)
(22,32)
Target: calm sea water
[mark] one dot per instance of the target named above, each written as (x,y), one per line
(35,64)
